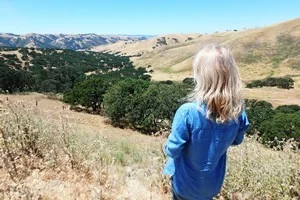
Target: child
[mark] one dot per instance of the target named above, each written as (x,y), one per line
(203,130)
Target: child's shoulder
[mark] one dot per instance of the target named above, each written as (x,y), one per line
(191,107)
(188,106)
(194,111)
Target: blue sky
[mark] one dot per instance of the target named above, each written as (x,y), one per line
(150,17)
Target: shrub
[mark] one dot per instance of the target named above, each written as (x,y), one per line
(21,146)
(288,109)
(280,128)
(276,126)
(257,111)
(12,80)
(189,81)
(256,172)
(142,105)
(280,82)
(168,82)
(160,104)
(123,99)
(88,93)
(255,83)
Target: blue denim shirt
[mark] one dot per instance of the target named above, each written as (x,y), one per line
(197,151)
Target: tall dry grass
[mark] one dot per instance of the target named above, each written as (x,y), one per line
(45,159)
(49,160)
(257,172)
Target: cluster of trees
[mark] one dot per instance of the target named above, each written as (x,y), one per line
(274,126)
(136,103)
(49,70)
(88,93)
(150,106)
(127,96)
(146,106)
(280,82)
(15,80)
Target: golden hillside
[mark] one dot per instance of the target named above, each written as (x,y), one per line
(83,157)
(260,52)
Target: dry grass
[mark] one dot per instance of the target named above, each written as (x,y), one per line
(174,60)
(73,162)
(78,156)
(276,96)
(141,47)
(256,172)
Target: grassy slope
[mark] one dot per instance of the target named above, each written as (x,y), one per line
(117,158)
(272,50)
(117,163)
(258,51)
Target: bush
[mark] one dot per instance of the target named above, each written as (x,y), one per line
(280,82)
(280,128)
(255,83)
(20,142)
(257,111)
(189,81)
(142,105)
(168,82)
(288,109)
(274,127)
(12,80)
(160,104)
(123,100)
(88,93)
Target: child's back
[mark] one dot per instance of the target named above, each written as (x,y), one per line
(200,166)
(203,130)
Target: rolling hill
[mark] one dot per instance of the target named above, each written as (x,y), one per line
(63,41)
(268,51)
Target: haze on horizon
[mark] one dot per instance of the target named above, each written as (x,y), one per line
(141,17)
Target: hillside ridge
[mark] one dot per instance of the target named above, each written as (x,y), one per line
(260,52)
(63,41)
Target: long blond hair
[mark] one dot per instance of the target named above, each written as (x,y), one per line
(218,83)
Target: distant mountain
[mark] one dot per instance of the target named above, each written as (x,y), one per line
(64,41)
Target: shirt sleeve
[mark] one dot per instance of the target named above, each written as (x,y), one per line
(179,133)
(244,124)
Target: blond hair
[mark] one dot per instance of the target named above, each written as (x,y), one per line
(218,83)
